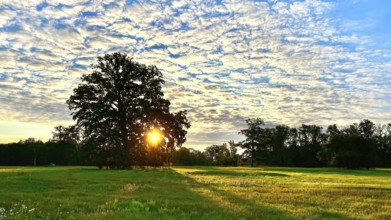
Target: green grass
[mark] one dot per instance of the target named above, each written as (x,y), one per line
(194,193)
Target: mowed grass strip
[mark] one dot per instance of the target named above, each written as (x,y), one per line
(194,193)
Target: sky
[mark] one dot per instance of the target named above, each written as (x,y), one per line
(287,62)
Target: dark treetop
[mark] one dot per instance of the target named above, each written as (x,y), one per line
(118,103)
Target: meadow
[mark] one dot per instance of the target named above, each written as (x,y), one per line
(194,193)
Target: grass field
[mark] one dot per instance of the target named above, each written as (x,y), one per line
(194,193)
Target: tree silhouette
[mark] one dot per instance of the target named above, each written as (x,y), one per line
(252,142)
(310,140)
(279,140)
(68,134)
(367,128)
(219,155)
(118,103)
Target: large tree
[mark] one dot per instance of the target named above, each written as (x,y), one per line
(118,103)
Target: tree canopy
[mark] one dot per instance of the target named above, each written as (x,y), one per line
(118,103)
(360,145)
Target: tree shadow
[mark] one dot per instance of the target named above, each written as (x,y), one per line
(165,194)
(328,170)
(229,202)
(242,205)
(235,173)
(186,198)
(147,194)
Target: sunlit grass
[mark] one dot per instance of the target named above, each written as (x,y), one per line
(194,193)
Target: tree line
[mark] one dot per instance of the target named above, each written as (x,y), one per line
(360,145)
(66,147)
(214,155)
(32,152)
(63,149)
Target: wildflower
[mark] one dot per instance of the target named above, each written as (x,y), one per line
(3,213)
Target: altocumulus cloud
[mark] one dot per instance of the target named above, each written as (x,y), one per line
(288,62)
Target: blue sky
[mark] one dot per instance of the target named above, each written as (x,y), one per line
(288,62)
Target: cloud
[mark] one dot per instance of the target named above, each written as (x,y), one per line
(288,62)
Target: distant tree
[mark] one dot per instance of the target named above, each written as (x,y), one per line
(383,139)
(24,153)
(189,157)
(117,104)
(233,152)
(252,134)
(352,130)
(62,134)
(310,140)
(366,128)
(29,153)
(219,155)
(199,157)
(60,153)
(293,148)
(352,151)
(279,153)
(353,147)
(332,130)
(182,157)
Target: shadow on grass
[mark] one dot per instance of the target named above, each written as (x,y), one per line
(234,173)
(160,194)
(89,193)
(228,202)
(341,171)
(364,189)
(168,194)
(249,207)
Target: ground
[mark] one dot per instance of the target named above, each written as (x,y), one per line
(194,193)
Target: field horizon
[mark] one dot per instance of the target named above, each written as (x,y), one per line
(194,193)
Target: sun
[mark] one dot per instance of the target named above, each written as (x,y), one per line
(154,137)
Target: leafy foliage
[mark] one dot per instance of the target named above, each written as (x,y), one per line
(360,145)
(188,157)
(117,104)
(32,152)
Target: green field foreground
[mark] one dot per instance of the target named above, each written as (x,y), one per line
(194,193)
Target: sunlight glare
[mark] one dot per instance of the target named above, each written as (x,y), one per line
(154,137)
